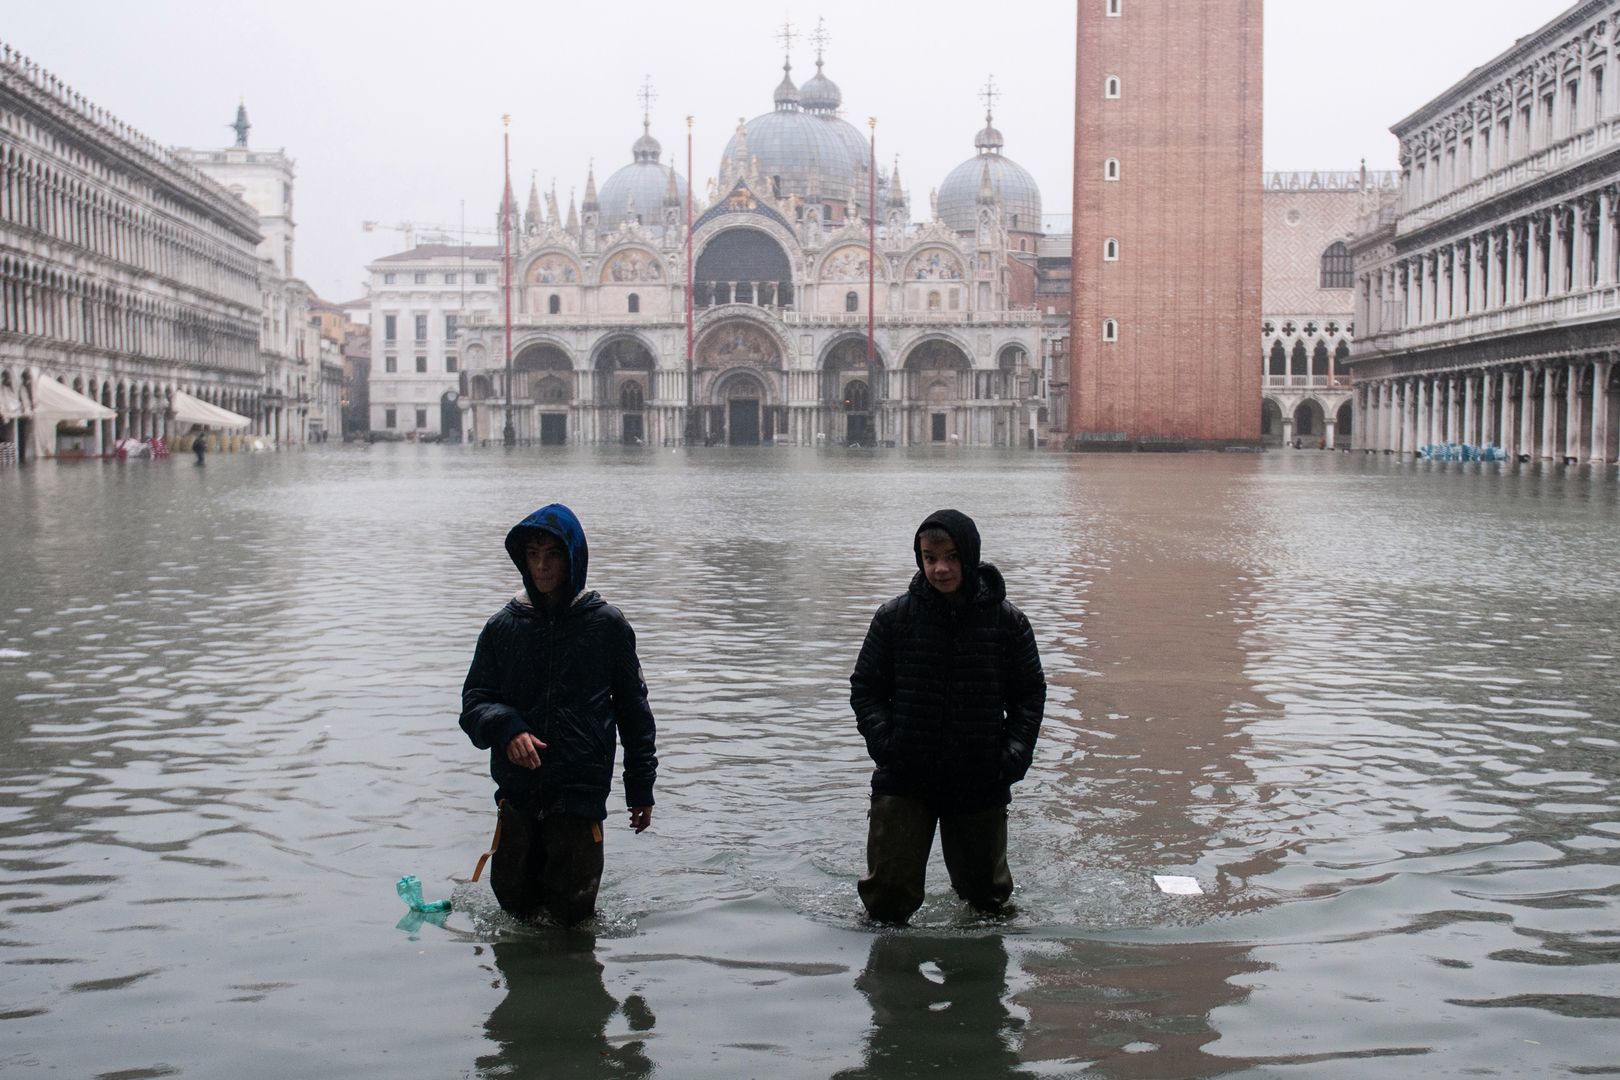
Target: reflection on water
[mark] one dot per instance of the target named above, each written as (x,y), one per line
(1369,705)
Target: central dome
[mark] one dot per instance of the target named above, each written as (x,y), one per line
(806,153)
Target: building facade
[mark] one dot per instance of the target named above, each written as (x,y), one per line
(292,411)
(422,303)
(1167,224)
(125,273)
(788,269)
(1488,288)
(1308,303)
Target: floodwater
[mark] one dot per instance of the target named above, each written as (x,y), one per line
(1370,705)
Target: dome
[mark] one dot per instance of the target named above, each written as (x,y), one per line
(1015,188)
(804,153)
(647,182)
(820,94)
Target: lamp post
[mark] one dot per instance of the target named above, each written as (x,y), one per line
(508,433)
(871,269)
(691,411)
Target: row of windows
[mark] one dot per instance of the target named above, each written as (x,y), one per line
(452,327)
(421,278)
(75,310)
(391,418)
(391,365)
(35,196)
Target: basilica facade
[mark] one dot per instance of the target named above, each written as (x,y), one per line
(797,249)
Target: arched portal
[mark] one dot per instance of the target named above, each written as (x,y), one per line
(938,373)
(1270,423)
(622,374)
(544,374)
(1344,426)
(450,416)
(1308,423)
(743,266)
(742,396)
(843,365)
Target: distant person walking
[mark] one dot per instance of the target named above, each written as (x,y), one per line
(948,693)
(553,679)
(199,446)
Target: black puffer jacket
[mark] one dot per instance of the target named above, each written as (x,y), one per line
(949,696)
(569,677)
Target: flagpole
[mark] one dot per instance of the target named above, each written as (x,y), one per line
(509,433)
(871,262)
(691,417)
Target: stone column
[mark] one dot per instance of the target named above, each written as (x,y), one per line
(1414,294)
(1329,424)
(1572,412)
(1548,417)
(1453,412)
(1490,418)
(1605,232)
(1469,433)
(1600,411)
(1577,241)
(1458,297)
(1515,255)
(1527,412)
(1287,431)
(1493,275)
(1557,257)
(1503,418)
(1538,259)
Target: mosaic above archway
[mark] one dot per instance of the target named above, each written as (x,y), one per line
(631,266)
(934,265)
(846,264)
(553,270)
(739,344)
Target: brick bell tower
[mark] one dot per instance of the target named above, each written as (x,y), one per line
(1167,225)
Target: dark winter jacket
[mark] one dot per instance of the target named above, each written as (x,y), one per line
(570,678)
(949,696)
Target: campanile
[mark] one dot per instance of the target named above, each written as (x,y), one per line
(1167,224)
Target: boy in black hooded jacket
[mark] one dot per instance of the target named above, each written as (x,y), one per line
(552,680)
(948,693)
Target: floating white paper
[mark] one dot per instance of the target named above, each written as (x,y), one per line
(1178,886)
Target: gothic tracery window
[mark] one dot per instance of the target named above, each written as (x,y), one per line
(1337,270)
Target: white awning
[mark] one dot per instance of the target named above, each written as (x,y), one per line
(190,410)
(10,405)
(54,401)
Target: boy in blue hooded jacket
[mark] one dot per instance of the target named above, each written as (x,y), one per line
(553,678)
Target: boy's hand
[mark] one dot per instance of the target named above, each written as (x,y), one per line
(640,817)
(524,750)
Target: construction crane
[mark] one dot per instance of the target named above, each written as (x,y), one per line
(431,234)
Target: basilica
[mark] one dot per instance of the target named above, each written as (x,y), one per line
(793,253)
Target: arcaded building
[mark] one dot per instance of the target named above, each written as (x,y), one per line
(126,275)
(1167,224)
(1488,287)
(1308,303)
(783,290)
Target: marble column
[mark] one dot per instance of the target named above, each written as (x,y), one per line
(1548,417)
(1600,411)
(1527,412)
(1557,258)
(1572,412)
(1329,426)
(1493,274)
(1577,242)
(1469,433)
(1453,412)
(1538,257)
(1515,258)
(1605,235)
(1502,419)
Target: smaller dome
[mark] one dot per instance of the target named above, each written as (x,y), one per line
(787,95)
(646,148)
(820,94)
(989,139)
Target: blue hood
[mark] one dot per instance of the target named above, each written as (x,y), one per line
(553,520)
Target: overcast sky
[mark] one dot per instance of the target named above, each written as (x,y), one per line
(392,109)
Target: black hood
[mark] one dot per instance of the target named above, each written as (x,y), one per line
(558,521)
(966,535)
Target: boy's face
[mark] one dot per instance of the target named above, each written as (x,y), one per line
(941,563)
(547,561)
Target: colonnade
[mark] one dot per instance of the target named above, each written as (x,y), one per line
(1549,252)
(1562,410)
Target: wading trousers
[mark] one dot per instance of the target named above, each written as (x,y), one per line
(900,834)
(551,864)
